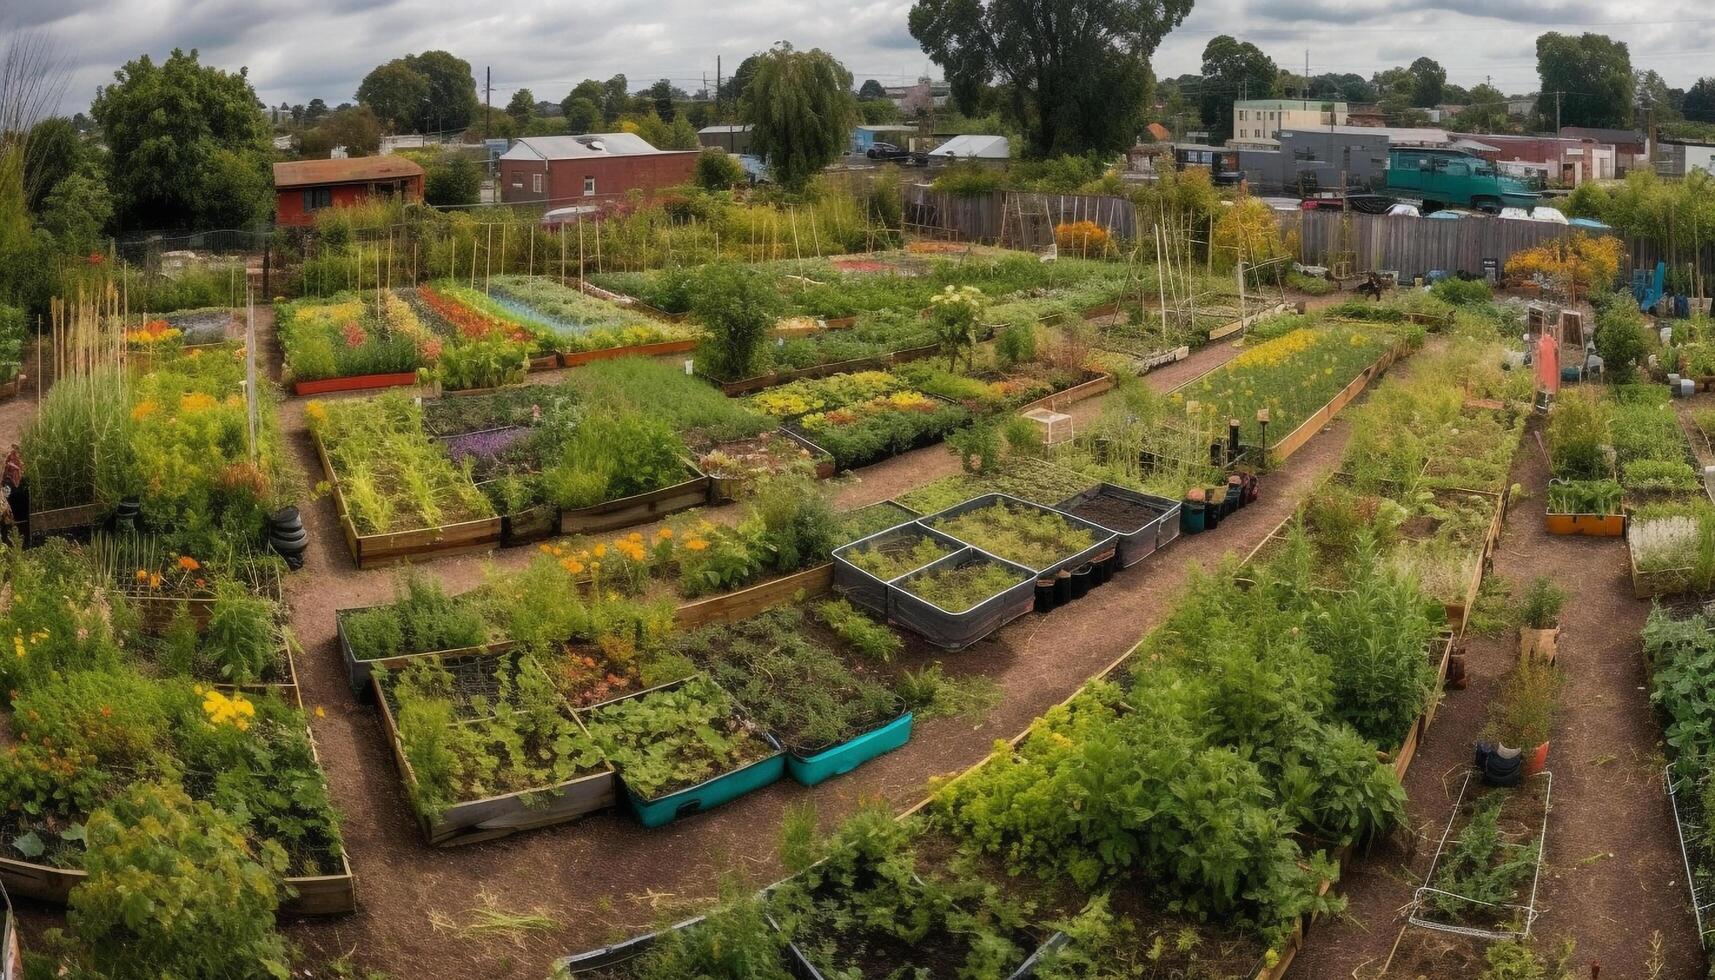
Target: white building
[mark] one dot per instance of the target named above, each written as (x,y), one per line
(1263,119)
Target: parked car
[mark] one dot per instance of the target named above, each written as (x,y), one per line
(886,151)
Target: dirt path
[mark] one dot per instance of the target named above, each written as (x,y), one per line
(607,877)
(1613,876)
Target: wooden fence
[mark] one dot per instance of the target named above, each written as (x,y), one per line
(1410,246)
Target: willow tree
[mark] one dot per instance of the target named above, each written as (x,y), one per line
(802,110)
(1073,74)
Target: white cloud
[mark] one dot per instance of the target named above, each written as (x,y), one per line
(302,49)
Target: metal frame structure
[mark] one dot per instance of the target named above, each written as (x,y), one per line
(1529,909)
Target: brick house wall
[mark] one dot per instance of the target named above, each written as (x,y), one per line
(563,182)
(291,204)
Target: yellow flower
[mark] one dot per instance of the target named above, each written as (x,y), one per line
(696,544)
(665,533)
(316,411)
(142,410)
(234,710)
(142,575)
(320,713)
(601,551)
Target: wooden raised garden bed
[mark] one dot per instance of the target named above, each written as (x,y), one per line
(638,508)
(357,382)
(472,821)
(1589,525)
(747,602)
(360,673)
(658,349)
(1083,391)
(1301,436)
(66,520)
(380,550)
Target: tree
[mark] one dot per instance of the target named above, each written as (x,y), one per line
(174,889)
(358,130)
(1485,111)
(452,179)
(680,135)
(871,89)
(1699,104)
(582,115)
(661,93)
(614,98)
(801,107)
(1342,87)
(187,145)
(1428,78)
(1070,89)
(396,93)
(521,107)
(878,112)
(1232,69)
(1590,74)
(76,213)
(736,306)
(733,89)
(53,151)
(315,110)
(452,90)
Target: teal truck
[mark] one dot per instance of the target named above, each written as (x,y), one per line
(1454,179)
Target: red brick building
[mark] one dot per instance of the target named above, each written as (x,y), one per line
(303,187)
(564,170)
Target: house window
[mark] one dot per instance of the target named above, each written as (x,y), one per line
(535,183)
(317,198)
(589,186)
(517,180)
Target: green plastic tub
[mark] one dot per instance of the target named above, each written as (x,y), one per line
(848,755)
(706,796)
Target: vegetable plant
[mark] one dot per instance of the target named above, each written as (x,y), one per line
(668,739)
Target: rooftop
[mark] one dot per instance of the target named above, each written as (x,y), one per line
(1308,105)
(745,128)
(581,147)
(977,147)
(1397,135)
(313,173)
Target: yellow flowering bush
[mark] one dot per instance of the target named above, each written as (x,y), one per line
(232,709)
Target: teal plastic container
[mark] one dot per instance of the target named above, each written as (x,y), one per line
(1192,519)
(848,755)
(706,796)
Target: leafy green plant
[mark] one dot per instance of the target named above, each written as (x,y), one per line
(1659,476)
(209,896)
(670,739)
(1522,713)
(736,308)
(958,588)
(240,635)
(421,619)
(1462,292)
(482,727)
(1578,436)
(614,455)
(1584,497)
(893,556)
(1483,871)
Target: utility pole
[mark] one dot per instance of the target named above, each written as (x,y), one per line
(1557,96)
(1307,74)
(488,102)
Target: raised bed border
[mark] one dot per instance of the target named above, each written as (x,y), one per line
(360,673)
(872,362)
(380,550)
(355,382)
(1130,544)
(1106,540)
(844,756)
(970,626)
(1531,913)
(472,821)
(1587,525)
(857,585)
(1300,436)
(639,508)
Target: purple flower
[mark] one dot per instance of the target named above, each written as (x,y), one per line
(483,445)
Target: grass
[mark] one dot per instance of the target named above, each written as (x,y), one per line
(488,921)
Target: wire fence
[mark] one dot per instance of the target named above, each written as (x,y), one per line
(1528,911)
(1691,835)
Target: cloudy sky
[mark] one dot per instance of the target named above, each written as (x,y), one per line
(299,49)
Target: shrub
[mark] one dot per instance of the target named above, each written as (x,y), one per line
(1016,344)
(1620,341)
(736,306)
(1522,714)
(174,890)
(717,170)
(1081,237)
(1462,292)
(1539,607)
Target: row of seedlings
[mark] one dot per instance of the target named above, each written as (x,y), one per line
(1670,522)
(524,703)
(108,691)
(455,338)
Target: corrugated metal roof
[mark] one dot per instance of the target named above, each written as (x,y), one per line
(311,173)
(582,147)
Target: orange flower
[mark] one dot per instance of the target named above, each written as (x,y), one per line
(142,575)
(188,563)
(154,580)
(696,544)
(665,533)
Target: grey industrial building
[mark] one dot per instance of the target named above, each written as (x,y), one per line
(1317,159)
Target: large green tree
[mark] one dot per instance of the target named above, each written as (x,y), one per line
(53,151)
(521,107)
(871,89)
(1699,104)
(187,144)
(1342,87)
(1074,73)
(1590,75)
(801,107)
(1428,79)
(396,93)
(358,130)
(661,93)
(1232,69)
(1484,112)
(429,92)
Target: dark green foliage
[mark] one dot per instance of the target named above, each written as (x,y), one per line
(421,619)
(736,306)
